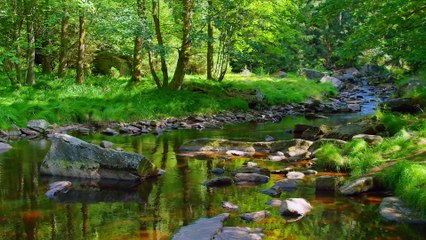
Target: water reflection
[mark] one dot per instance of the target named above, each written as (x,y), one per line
(158,208)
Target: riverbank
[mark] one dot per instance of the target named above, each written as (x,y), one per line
(103,99)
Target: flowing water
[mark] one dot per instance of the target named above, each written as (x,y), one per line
(157,208)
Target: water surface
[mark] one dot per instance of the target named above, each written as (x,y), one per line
(159,207)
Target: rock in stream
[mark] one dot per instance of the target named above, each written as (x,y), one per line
(71,157)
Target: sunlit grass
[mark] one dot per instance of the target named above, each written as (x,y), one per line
(103,98)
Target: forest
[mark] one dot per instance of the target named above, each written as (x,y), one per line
(212,119)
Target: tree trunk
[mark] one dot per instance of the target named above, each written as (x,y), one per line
(30,77)
(210,42)
(155,9)
(62,69)
(18,26)
(184,52)
(80,61)
(137,60)
(46,60)
(46,66)
(137,52)
(18,67)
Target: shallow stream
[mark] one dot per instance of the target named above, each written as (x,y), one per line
(157,208)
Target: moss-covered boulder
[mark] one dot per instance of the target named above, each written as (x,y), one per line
(71,157)
(104,61)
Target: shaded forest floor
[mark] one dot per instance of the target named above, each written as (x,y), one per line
(103,98)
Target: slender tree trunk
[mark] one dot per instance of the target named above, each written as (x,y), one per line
(152,69)
(18,26)
(63,61)
(210,48)
(184,51)
(18,67)
(30,77)
(137,52)
(80,61)
(155,9)
(137,60)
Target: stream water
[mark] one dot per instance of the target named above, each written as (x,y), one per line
(157,208)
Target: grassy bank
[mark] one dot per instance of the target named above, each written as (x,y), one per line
(107,99)
(399,161)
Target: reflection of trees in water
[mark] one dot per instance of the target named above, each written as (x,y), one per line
(70,222)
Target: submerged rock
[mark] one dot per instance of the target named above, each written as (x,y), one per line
(394,210)
(202,229)
(271,192)
(258,170)
(230,206)
(295,208)
(71,157)
(218,171)
(326,183)
(274,203)
(295,175)
(255,216)
(219,182)
(358,186)
(4,147)
(61,186)
(287,185)
(255,178)
(241,233)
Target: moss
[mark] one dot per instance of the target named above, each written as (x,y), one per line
(78,165)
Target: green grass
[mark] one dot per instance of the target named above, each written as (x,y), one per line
(408,181)
(404,153)
(103,99)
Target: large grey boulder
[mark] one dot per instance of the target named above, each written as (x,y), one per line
(39,125)
(358,186)
(71,157)
(202,229)
(4,147)
(311,73)
(394,210)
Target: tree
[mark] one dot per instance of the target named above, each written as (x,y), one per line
(63,49)
(81,42)
(160,42)
(184,51)
(138,45)
(30,75)
(210,40)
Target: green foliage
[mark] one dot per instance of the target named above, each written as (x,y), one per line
(330,158)
(408,180)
